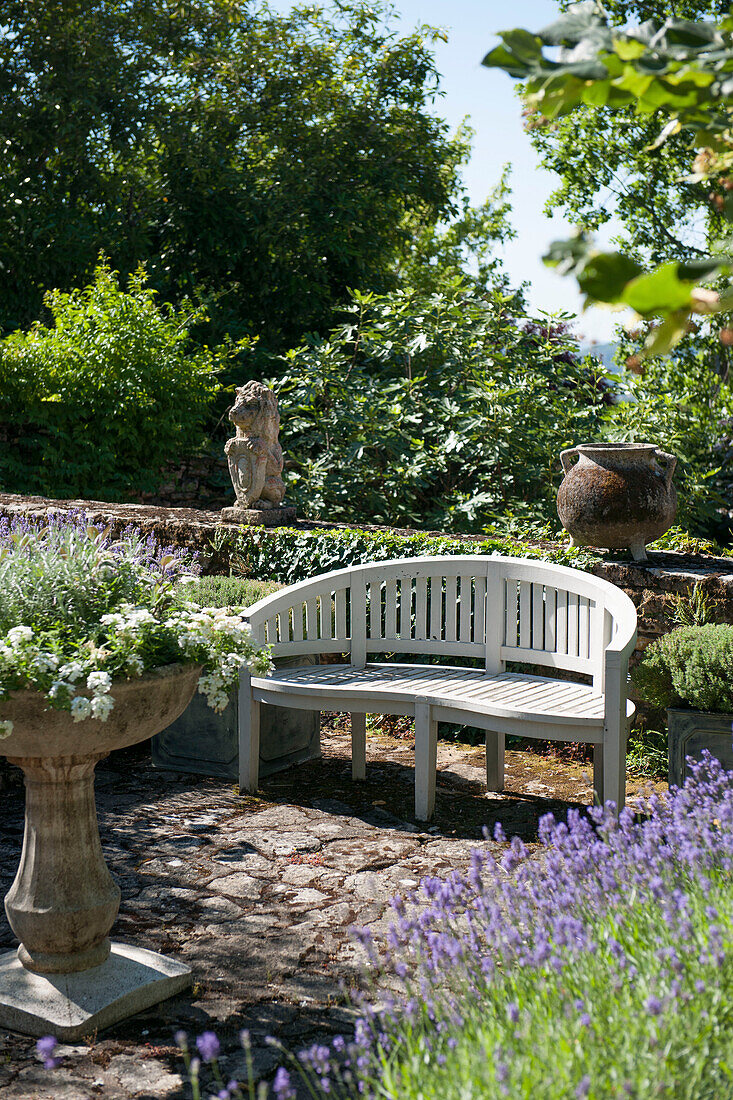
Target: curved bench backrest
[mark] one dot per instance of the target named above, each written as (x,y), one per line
(491,608)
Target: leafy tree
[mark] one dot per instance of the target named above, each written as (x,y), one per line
(260,162)
(435,410)
(679,71)
(660,95)
(97,401)
(601,155)
(465,248)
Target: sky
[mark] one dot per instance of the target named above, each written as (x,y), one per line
(488,96)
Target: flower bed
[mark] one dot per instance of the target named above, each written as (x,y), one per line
(601,969)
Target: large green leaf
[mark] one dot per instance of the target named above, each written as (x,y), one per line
(658,291)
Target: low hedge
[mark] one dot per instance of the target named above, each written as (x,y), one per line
(689,667)
(289,555)
(220,591)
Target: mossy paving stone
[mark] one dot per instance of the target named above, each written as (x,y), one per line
(324,852)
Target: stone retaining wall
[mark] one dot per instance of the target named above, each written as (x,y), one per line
(199,482)
(652,585)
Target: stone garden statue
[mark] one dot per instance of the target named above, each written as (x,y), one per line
(256,459)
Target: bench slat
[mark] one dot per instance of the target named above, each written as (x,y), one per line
(465,608)
(375,609)
(584,627)
(572,624)
(421,607)
(340,614)
(525,623)
(550,619)
(562,621)
(436,608)
(538,616)
(450,609)
(479,610)
(297,622)
(510,612)
(311,619)
(390,611)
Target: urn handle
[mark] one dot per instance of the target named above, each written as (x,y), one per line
(565,457)
(670,464)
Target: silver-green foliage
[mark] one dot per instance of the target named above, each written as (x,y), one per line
(63,577)
(689,667)
(227,591)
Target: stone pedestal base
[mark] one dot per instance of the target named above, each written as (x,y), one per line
(259,517)
(71,1006)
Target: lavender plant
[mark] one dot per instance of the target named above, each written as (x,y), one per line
(599,967)
(79,609)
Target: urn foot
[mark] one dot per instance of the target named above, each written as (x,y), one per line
(71,1006)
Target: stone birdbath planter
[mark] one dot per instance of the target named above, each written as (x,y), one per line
(66,978)
(97,651)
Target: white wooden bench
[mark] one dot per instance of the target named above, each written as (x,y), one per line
(493,609)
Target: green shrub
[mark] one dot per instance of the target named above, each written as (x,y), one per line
(441,410)
(288,554)
(689,667)
(228,591)
(97,401)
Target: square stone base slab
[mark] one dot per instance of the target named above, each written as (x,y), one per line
(71,1006)
(259,517)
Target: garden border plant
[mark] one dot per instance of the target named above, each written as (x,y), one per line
(291,554)
(688,672)
(602,970)
(78,610)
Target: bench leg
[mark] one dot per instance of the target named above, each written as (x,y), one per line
(609,769)
(249,738)
(426,761)
(358,746)
(598,774)
(494,761)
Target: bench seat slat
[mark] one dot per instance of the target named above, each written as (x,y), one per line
(507,692)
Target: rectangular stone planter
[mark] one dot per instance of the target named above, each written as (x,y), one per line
(206,743)
(691,731)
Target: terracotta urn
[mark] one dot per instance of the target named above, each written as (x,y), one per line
(617,495)
(64,901)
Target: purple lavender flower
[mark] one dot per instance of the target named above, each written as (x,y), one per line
(208,1046)
(282,1087)
(46,1049)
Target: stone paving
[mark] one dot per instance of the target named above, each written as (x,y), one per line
(258,895)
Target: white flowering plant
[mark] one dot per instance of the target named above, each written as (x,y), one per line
(80,610)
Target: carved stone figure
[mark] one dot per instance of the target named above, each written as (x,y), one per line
(255,456)
(256,459)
